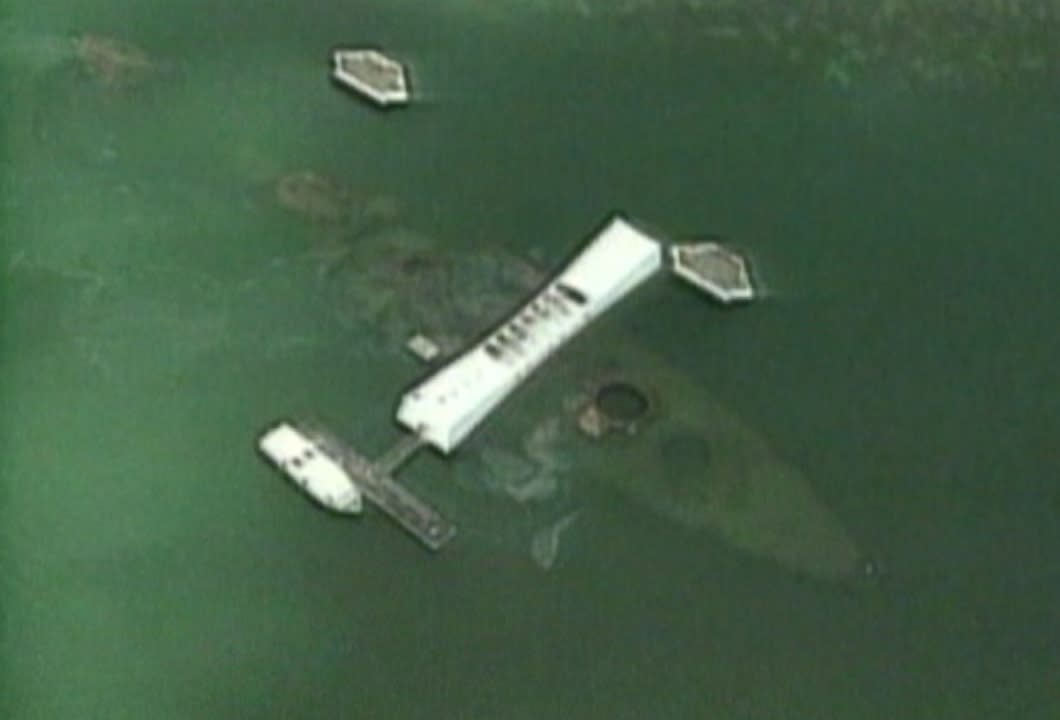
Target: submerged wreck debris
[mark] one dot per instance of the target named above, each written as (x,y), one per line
(322,199)
(313,196)
(544,547)
(716,270)
(539,486)
(375,76)
(372,282)
(316,197)
(531,476)
(110,62)
(615,405)
(542,447)
(541,444)
(591,422)
(701,466)
(410,285)
(503,471)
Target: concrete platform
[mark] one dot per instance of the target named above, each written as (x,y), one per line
(716,270)
(372,74)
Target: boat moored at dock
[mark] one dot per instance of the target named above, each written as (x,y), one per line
(311,468)
(337,477)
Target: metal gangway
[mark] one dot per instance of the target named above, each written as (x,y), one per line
(376,481)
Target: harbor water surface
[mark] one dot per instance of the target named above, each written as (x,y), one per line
(161,306)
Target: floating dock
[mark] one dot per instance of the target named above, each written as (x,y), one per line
(714,269)
(381,79)
(452,402)
(376,482)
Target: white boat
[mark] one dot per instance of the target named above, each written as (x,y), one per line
(315,472)
(448,405)
(372,74)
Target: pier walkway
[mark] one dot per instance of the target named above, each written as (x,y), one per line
(377,484)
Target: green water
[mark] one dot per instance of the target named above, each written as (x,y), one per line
(159,309)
